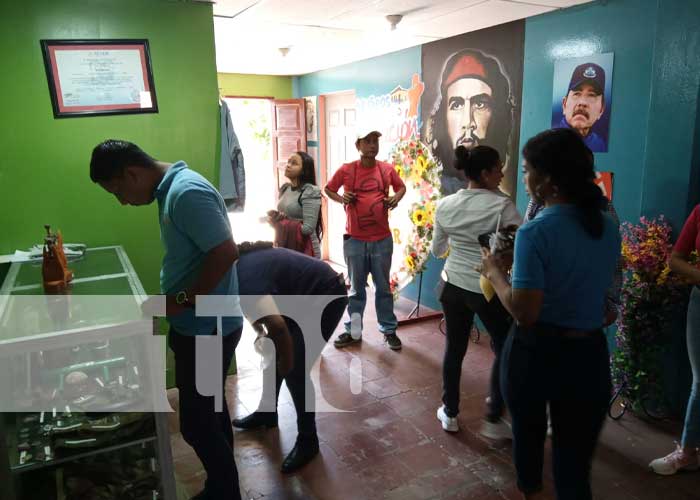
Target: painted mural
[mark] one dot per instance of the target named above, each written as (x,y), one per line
(394,114)
(473,86)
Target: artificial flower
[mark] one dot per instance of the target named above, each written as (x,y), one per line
(419,217)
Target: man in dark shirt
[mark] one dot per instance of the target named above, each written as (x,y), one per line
(275,273)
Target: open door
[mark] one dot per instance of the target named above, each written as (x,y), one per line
(288,134)
(339,114)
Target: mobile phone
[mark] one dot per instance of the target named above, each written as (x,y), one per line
(484,240)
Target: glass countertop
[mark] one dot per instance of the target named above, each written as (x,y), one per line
(105,291)
(95,263)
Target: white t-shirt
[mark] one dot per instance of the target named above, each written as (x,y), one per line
(459,220)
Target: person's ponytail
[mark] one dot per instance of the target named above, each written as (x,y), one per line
(462,156)
(475,160)
(591,203)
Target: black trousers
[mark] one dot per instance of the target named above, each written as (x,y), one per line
(298,379)
(205,430)
(541,366)
(459,306)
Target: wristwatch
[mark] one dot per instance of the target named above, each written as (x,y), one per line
(182,299)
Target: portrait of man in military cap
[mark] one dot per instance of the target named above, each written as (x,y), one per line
(585,105)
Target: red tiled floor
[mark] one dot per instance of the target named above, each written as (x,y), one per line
(386,443)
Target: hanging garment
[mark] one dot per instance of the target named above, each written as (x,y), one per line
(232,171)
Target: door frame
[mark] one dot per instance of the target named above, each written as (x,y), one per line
(323,165)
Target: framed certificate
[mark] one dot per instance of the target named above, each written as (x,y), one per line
(99,77)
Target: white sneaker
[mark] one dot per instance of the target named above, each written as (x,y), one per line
(449,424)
(675,461)
(496,430)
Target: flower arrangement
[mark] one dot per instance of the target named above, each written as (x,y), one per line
(650,299)
(421,174)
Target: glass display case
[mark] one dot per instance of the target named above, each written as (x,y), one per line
(82,386)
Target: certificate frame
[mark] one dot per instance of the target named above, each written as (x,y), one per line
(99,77)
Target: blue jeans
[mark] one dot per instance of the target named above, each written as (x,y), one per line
(363,258)
(691,430)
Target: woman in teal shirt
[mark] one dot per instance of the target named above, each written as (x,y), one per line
(556,353)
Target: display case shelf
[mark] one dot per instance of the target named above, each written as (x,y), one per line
(41,337)
(18,469)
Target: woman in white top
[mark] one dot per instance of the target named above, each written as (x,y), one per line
(459,220)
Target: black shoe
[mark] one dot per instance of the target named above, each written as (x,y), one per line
(305,449)
(255,420)
(393,341)
(345,339)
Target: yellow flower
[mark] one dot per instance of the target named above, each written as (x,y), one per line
(419,217)
(417,171)
(415,177)
(399,170)
(663,276)
(430,212)
(410,263)
(420,166)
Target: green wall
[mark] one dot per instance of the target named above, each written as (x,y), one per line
(236,84)
(44,165)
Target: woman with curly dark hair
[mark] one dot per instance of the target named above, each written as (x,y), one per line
(556,353)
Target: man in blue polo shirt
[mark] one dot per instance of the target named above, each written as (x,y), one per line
(199,257)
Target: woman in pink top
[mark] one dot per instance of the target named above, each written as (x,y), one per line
(685,456)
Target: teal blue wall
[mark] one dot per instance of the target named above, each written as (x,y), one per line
(625,27)
(654,101)
(375,76)
(670,183)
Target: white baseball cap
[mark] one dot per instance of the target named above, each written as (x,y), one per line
(362,132)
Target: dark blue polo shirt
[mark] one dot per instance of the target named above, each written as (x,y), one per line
(280,271)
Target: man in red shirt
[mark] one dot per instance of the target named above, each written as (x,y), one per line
(368,244)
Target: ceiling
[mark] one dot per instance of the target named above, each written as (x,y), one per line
(321,34)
